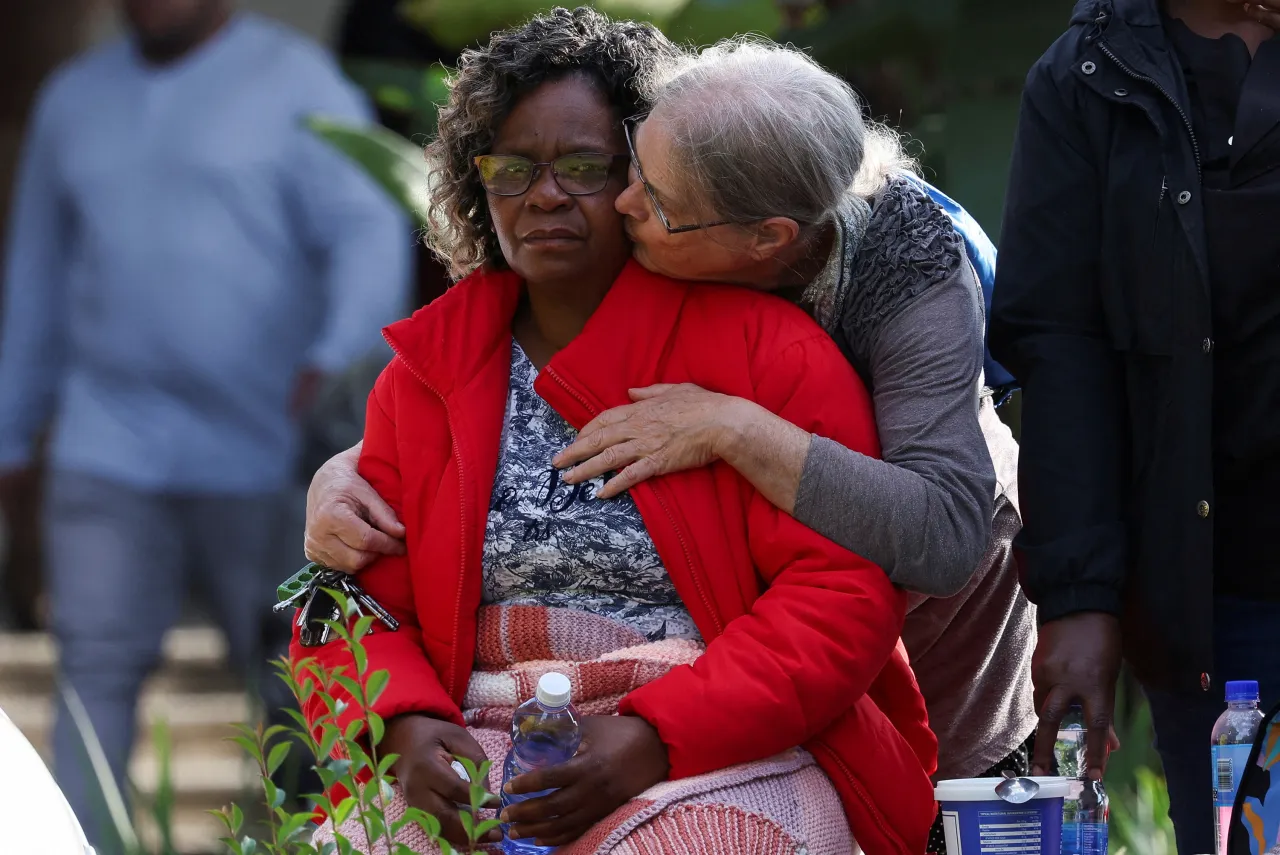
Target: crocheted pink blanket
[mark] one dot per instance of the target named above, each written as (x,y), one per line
(783,805)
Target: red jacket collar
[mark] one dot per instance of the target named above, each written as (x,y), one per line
(449,342)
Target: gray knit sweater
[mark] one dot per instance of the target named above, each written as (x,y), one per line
(909,316)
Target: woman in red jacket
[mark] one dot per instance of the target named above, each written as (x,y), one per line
(797,637)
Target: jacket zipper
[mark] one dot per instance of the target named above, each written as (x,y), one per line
(457,457)
(857,788)
(1186,122)
(684,546)
(1164,191)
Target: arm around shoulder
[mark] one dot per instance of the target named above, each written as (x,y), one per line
(923,513)
(414,686)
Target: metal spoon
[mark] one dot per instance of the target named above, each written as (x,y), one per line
(1015,790)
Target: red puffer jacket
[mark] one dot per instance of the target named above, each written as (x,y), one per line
(802,636)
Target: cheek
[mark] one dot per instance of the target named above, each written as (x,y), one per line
(503,215)
(602,214)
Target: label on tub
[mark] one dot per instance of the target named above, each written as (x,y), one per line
(1000,832)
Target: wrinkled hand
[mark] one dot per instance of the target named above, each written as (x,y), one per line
(348,524)
(426,747)
(620,758)
(670,428)
(1077,659)
(1265,12)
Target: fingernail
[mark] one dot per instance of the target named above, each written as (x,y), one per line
(506,788)
(504,817)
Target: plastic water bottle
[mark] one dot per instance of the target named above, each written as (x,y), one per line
(544,732)
(1085,809)
(1233,736)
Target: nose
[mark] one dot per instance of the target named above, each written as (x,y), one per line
(544,193)
(631,203)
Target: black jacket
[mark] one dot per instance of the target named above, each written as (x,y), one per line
(1102,312)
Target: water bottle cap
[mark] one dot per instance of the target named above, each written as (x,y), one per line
(1242,690)
(554,690)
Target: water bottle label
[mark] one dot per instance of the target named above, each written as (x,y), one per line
(1084,838)
(1229,762)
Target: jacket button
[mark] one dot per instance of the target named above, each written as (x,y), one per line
(1205,682)
(1184,197)
(1120,93)
(1203,509)
(1207,345)
(1088,68)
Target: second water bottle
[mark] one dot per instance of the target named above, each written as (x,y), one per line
(1086,808)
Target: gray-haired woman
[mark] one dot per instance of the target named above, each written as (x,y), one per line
(756,168)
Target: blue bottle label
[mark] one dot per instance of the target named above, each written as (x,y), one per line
(1229,762)
(1084,838)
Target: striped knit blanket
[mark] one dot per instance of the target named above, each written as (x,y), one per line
(784,805)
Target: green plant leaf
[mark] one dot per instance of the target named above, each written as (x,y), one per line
(295,824)
(385,763)
(359,654)
(249,845)
(275,795)
(237,819)
(394,163)
(353,688)
(327,742)
(377,729)
(224,816)
(164,798)
(359,759)
(361,628)
(353,730)
(276,758)
(423,820)
(377,684)
(340,766)
(468,824)
(248,745)
(485,827)
(343,810)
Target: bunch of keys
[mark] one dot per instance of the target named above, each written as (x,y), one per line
(319,606)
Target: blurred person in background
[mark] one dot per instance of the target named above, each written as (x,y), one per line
(185,265)
(1138,302)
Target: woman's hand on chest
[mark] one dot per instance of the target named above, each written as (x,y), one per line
(669,428)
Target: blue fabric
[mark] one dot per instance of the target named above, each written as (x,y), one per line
(982,254)
(180,249)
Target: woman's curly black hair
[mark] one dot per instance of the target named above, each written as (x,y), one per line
(490,81)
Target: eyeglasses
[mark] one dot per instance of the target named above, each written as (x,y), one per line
(576,174)
(628,127)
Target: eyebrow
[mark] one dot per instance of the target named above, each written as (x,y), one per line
(518,147)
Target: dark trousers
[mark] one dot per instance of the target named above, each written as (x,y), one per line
(1246,647)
